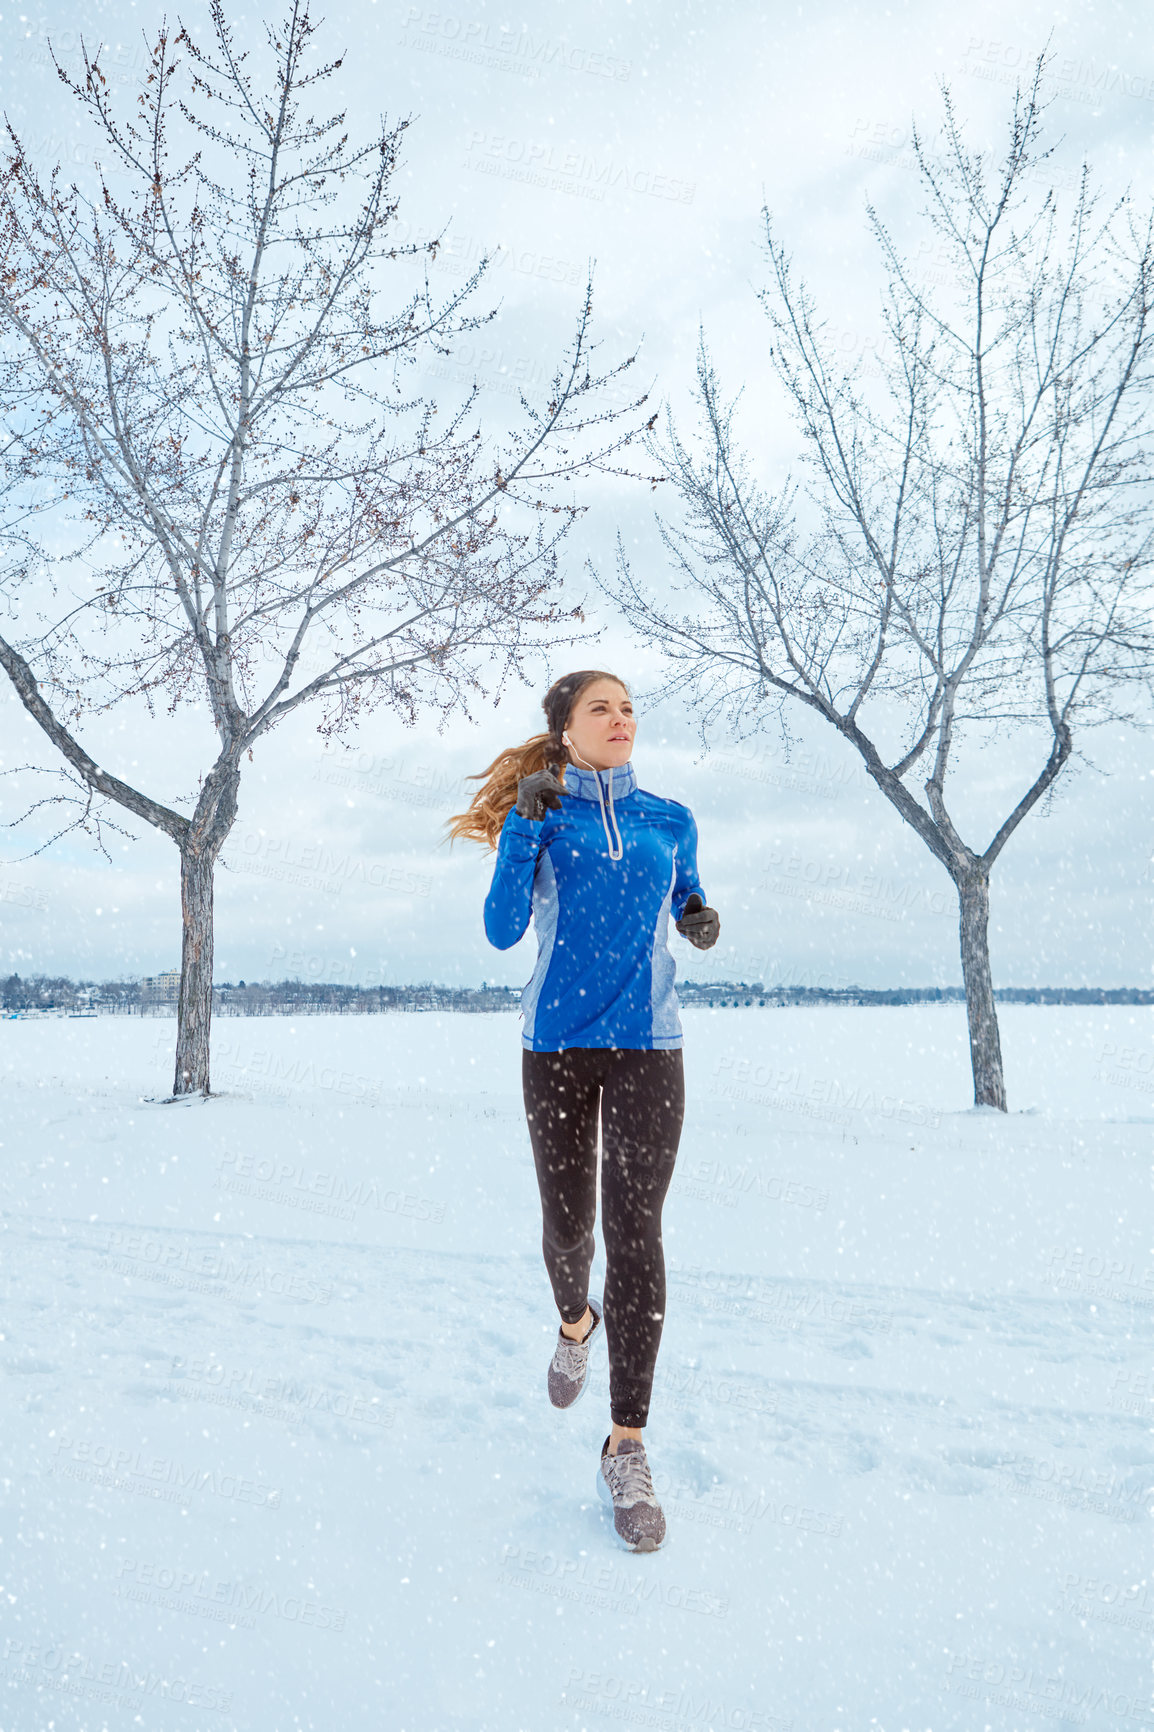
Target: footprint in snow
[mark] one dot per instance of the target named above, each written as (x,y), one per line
(854,1348)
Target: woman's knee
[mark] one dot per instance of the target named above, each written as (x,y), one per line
(637,1245)
(567,1241)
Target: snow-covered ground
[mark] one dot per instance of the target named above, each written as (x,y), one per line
(276,1448)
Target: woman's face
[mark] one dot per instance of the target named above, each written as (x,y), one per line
(601,727)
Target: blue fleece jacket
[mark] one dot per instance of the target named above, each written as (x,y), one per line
(599,877)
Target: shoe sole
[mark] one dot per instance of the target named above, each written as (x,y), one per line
(564,1407)
(647,1543)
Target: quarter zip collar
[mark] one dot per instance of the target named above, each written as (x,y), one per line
(594,785)
(583,783)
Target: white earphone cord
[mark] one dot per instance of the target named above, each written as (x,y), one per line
(601,798)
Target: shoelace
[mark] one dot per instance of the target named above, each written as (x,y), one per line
(634,1481)
(570,1358)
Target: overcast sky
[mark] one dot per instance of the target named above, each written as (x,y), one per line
(337,869)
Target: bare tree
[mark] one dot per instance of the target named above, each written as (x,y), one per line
(971,558)
(203,365)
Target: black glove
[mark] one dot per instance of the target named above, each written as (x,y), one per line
(539,792)
(698,923)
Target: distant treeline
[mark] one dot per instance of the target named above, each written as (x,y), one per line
(915,994)
(303,998)
(251,998)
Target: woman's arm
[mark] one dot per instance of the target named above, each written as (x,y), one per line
(510,900)
(686,881)
(701,925)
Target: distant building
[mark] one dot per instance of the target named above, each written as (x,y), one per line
(161,988)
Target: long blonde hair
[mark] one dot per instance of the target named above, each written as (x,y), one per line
(484,817)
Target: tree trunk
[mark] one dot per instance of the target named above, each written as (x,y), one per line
(973,885)
(194,1010)
(206,836)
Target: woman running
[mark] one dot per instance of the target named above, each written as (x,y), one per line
(599,863)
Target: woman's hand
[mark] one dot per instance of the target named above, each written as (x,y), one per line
(539,792)
(698,923)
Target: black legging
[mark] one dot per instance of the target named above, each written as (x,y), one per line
(641,1095)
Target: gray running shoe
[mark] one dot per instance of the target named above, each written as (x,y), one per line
(568,1371)
(625,1482)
